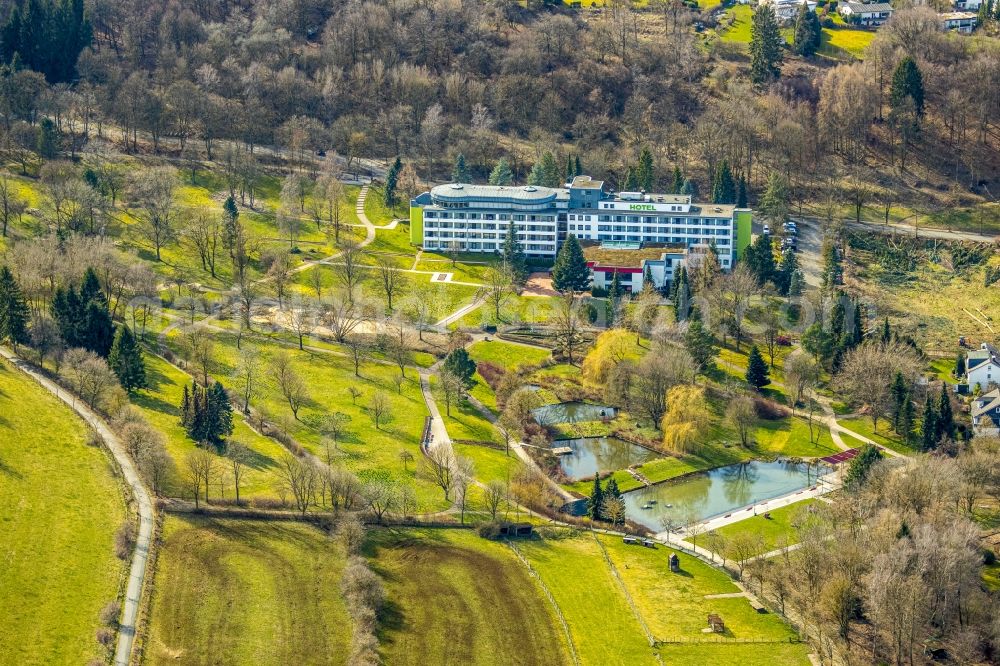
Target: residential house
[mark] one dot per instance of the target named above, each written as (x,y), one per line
(963,22)
(982,367)
(788,10)
(868,14)
(967,5)
(986,414)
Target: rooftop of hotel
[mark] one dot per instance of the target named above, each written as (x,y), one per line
(527,193)
(609,255)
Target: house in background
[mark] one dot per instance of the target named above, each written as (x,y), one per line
(963,22)
(967,5)
(868,14)
(986,414)
(982,367)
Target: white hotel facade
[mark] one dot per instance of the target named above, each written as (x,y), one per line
(475,218)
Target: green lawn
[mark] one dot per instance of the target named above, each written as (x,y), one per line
(378,213)
(160,404)
(507,354)
(838,42)
(247,592)
(603,627)
(517,310)
(730,654)
(455,598)
(991,577)
(781,529)
(655,589)
(885,436)
(739,31)
(61,507)
(365,450)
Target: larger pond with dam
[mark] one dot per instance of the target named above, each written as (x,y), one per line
(718,491)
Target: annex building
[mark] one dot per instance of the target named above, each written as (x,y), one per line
(461,217)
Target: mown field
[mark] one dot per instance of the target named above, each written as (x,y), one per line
(61,506)
(243,592)
(455,598)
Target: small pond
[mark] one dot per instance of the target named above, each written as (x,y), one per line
(604,454)
(572,412)
(718,491)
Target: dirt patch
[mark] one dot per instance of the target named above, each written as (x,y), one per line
(539,284)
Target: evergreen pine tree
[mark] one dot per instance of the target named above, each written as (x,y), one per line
(13,310)
(570,272)
(391,183)
(536,175)
(907,83)
(886,332)
(47,142)
(678,181)
(723,189)
(550,171)
(741,194)
(513,255)
(577,167)
(90,289)
(808,32)
(615,291)
(460,364)
(595,500)
(861,465)
(187,409)
(98,330)
(460,174)
(945,418)
(125,359)
(681,295)
(765,45)
(795,284)
(221,411)
(690,188)
(230,224)
(906,420)
(644,171)
(900,393)
(758,372)
(647,278)
(760,258)
(501,174)
(570,169)
(700,344)
(786,270)
(928,428)
(959,364)
(611,490)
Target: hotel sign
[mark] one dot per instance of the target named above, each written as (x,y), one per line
(645,207)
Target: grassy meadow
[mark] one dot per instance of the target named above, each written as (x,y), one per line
(245,592)
(62,505)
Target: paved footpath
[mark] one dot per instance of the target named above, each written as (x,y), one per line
(137,570)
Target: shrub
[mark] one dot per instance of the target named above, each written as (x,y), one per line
(351,533)
(110,613)
(491,373)
(490,530)
(124,541)
(768,409)
(105,636)
(989,557)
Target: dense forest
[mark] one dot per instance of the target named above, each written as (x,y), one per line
(429,80)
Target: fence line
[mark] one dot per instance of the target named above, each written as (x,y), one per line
(628,596)
(552,600)
(683,640)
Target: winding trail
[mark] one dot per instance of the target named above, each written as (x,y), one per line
(137,569)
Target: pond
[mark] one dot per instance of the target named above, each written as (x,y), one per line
(572,412)
(604,454)
(717,491)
